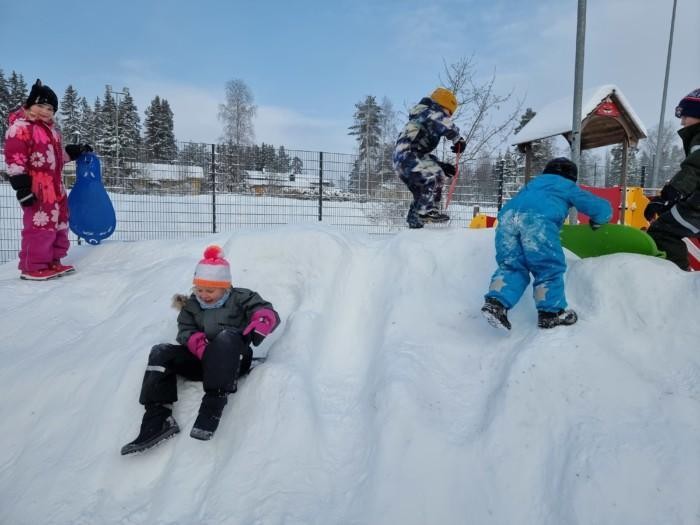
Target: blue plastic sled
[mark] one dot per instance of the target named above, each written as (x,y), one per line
(92,215)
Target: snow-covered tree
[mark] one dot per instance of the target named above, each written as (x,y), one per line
(5,104)
(159,137)
(88,130)
(367,128)
(129,126)
(18,90)
(237,114)
(69,115)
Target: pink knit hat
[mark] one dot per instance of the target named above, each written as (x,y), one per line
(213,271)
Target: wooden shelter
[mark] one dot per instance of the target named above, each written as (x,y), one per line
(606,118)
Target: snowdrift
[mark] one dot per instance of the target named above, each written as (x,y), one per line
(385,397)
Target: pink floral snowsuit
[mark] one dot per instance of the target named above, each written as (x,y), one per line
(34,147)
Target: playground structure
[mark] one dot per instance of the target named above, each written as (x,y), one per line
(632,214)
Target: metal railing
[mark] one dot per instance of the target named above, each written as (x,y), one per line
(207,188)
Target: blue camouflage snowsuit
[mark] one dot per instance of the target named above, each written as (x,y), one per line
(418,169)
(527,240)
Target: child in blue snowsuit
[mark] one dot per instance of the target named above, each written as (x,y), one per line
(527,242)
(422,172)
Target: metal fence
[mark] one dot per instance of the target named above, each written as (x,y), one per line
(212,188)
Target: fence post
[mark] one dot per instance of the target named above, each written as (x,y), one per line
(320,185)
(213,188)
(501,175)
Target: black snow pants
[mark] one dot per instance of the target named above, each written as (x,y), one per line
(226,358)
(683,220)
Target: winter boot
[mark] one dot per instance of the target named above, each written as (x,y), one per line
(40,275)
(495,313)
(210,410)
(157,425)
(434,216)
(552,319)
(412,218)
(62,269)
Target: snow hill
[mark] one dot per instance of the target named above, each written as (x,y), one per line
(385,398)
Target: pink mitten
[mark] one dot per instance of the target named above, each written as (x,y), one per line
(263,322)
(197,344)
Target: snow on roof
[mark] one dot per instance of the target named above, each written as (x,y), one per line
(154,171)
(555,118)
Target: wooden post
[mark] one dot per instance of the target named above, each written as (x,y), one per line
(623,181)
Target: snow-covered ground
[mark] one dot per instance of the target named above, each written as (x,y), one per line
(385,398)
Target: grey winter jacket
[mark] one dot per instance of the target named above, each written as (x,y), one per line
(235,314)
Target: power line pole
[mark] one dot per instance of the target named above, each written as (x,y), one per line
(578,93)
(659,151)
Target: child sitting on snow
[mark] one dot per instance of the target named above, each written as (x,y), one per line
(527,242)
(216,325)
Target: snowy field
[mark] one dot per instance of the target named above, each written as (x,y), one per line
(146,217)
(385,397)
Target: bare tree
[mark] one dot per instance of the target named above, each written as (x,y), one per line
(478,103)
(671,152)
(237,114)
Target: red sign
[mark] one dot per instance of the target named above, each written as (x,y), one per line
(607,108)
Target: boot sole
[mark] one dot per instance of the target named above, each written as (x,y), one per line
(494,321)
(132,449)
(202,435)
(30,278)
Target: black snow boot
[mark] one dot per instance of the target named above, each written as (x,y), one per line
(210,410)
(434,216)
(157,425)
(495,313)
(552,319)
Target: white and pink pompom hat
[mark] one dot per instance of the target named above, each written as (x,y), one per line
(213,271)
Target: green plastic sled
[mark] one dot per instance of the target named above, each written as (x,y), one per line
(609,238)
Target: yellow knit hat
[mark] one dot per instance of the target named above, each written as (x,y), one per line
(445,98)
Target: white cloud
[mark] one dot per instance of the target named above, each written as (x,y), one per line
(196,118)
(277,125)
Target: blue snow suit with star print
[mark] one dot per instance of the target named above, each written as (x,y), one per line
(427,123)
(527,240)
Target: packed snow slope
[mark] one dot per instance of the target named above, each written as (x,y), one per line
(385,398)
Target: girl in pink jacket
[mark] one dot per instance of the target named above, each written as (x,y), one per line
(35,160)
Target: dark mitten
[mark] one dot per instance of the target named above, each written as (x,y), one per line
(448,169)
(22,184)
(76,150)
(460,145)
(671,195)
(656,207)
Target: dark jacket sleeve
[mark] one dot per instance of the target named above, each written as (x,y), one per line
(186,324)
(250,302)
(687,180)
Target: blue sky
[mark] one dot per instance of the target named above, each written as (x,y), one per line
(308,62)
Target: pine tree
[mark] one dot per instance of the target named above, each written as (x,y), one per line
(159,137)
(283,163)
(5,104)
(367,127)
(107,124)
(70,115)
(87,122)
(129,126)
(237,114)
(18,90)
(168,131)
